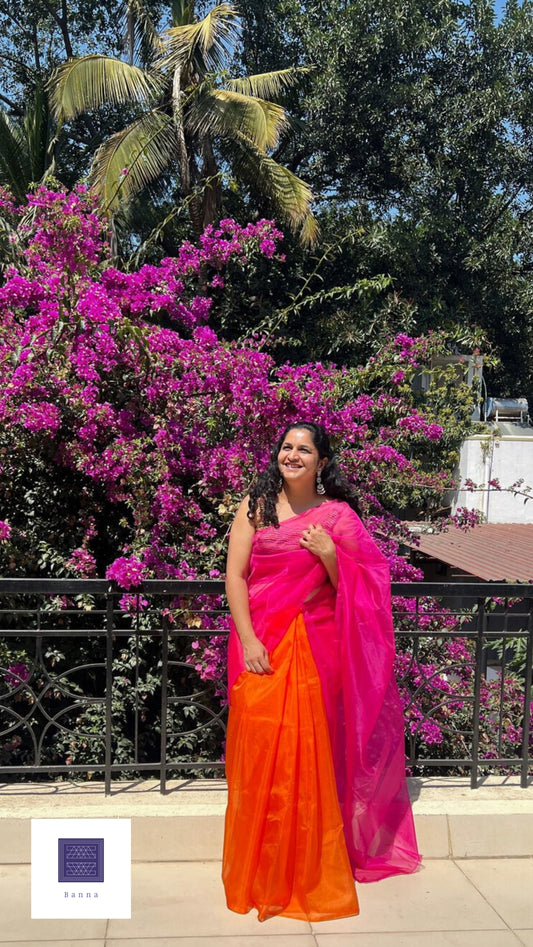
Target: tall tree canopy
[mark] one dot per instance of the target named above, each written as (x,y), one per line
(413,126)
(416,135)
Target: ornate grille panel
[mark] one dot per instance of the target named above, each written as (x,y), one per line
(93,681)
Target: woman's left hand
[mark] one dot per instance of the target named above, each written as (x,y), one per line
(317,541)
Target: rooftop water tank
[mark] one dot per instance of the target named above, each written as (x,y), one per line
(507,409)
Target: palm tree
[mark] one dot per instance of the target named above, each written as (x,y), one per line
(190,117)
(25,146)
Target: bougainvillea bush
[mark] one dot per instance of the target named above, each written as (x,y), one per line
(435,673)
(130,429)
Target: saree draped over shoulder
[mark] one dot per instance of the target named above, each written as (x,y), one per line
(315,751)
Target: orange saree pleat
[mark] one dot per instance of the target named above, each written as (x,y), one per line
(284,848)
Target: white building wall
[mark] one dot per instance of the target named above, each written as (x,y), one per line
(507,459)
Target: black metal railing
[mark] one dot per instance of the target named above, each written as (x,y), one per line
(96,682)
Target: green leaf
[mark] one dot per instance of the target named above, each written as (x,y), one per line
(267,84)
(206,44)
(15,166)
(86,83)
(226,113)
(143,150)
(290,196)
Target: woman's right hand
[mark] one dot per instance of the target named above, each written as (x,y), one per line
(256,657)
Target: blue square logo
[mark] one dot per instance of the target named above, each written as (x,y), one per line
(81,859)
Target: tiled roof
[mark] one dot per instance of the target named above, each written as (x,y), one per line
(490,551)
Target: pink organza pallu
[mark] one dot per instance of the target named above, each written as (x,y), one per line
(351,639)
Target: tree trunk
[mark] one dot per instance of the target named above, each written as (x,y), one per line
(183,157)
(212,182)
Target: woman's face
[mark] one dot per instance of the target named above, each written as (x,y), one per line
(298,458)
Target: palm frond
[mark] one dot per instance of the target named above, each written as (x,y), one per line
(181,12)
(207,43)
(141,36)
(15,166)
(309,232)
(267,85)
(290,197)
(37,133)
(225,113)
(86,83)
(132,158)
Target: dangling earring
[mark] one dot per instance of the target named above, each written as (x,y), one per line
(280,483)
(320,488)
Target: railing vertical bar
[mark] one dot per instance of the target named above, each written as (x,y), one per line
(136,703)
(503,669)
(39,660)
(413,736)
(527,700)
(108,690)
(164,696)
(478,671)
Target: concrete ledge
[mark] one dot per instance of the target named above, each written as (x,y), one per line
(186,824)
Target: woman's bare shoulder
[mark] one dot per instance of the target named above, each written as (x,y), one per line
(242,518)
(244,505)
(241,538)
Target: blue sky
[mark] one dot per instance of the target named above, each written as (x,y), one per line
(498,6)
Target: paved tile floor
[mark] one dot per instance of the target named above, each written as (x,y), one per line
(463,903)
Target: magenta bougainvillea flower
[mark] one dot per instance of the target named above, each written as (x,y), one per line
(17,674)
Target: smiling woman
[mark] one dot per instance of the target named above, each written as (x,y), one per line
(315,758)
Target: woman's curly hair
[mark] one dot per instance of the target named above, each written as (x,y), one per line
(264,491)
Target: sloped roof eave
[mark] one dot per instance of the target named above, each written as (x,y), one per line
(490,551)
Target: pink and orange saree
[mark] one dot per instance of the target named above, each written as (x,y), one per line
(315,751)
